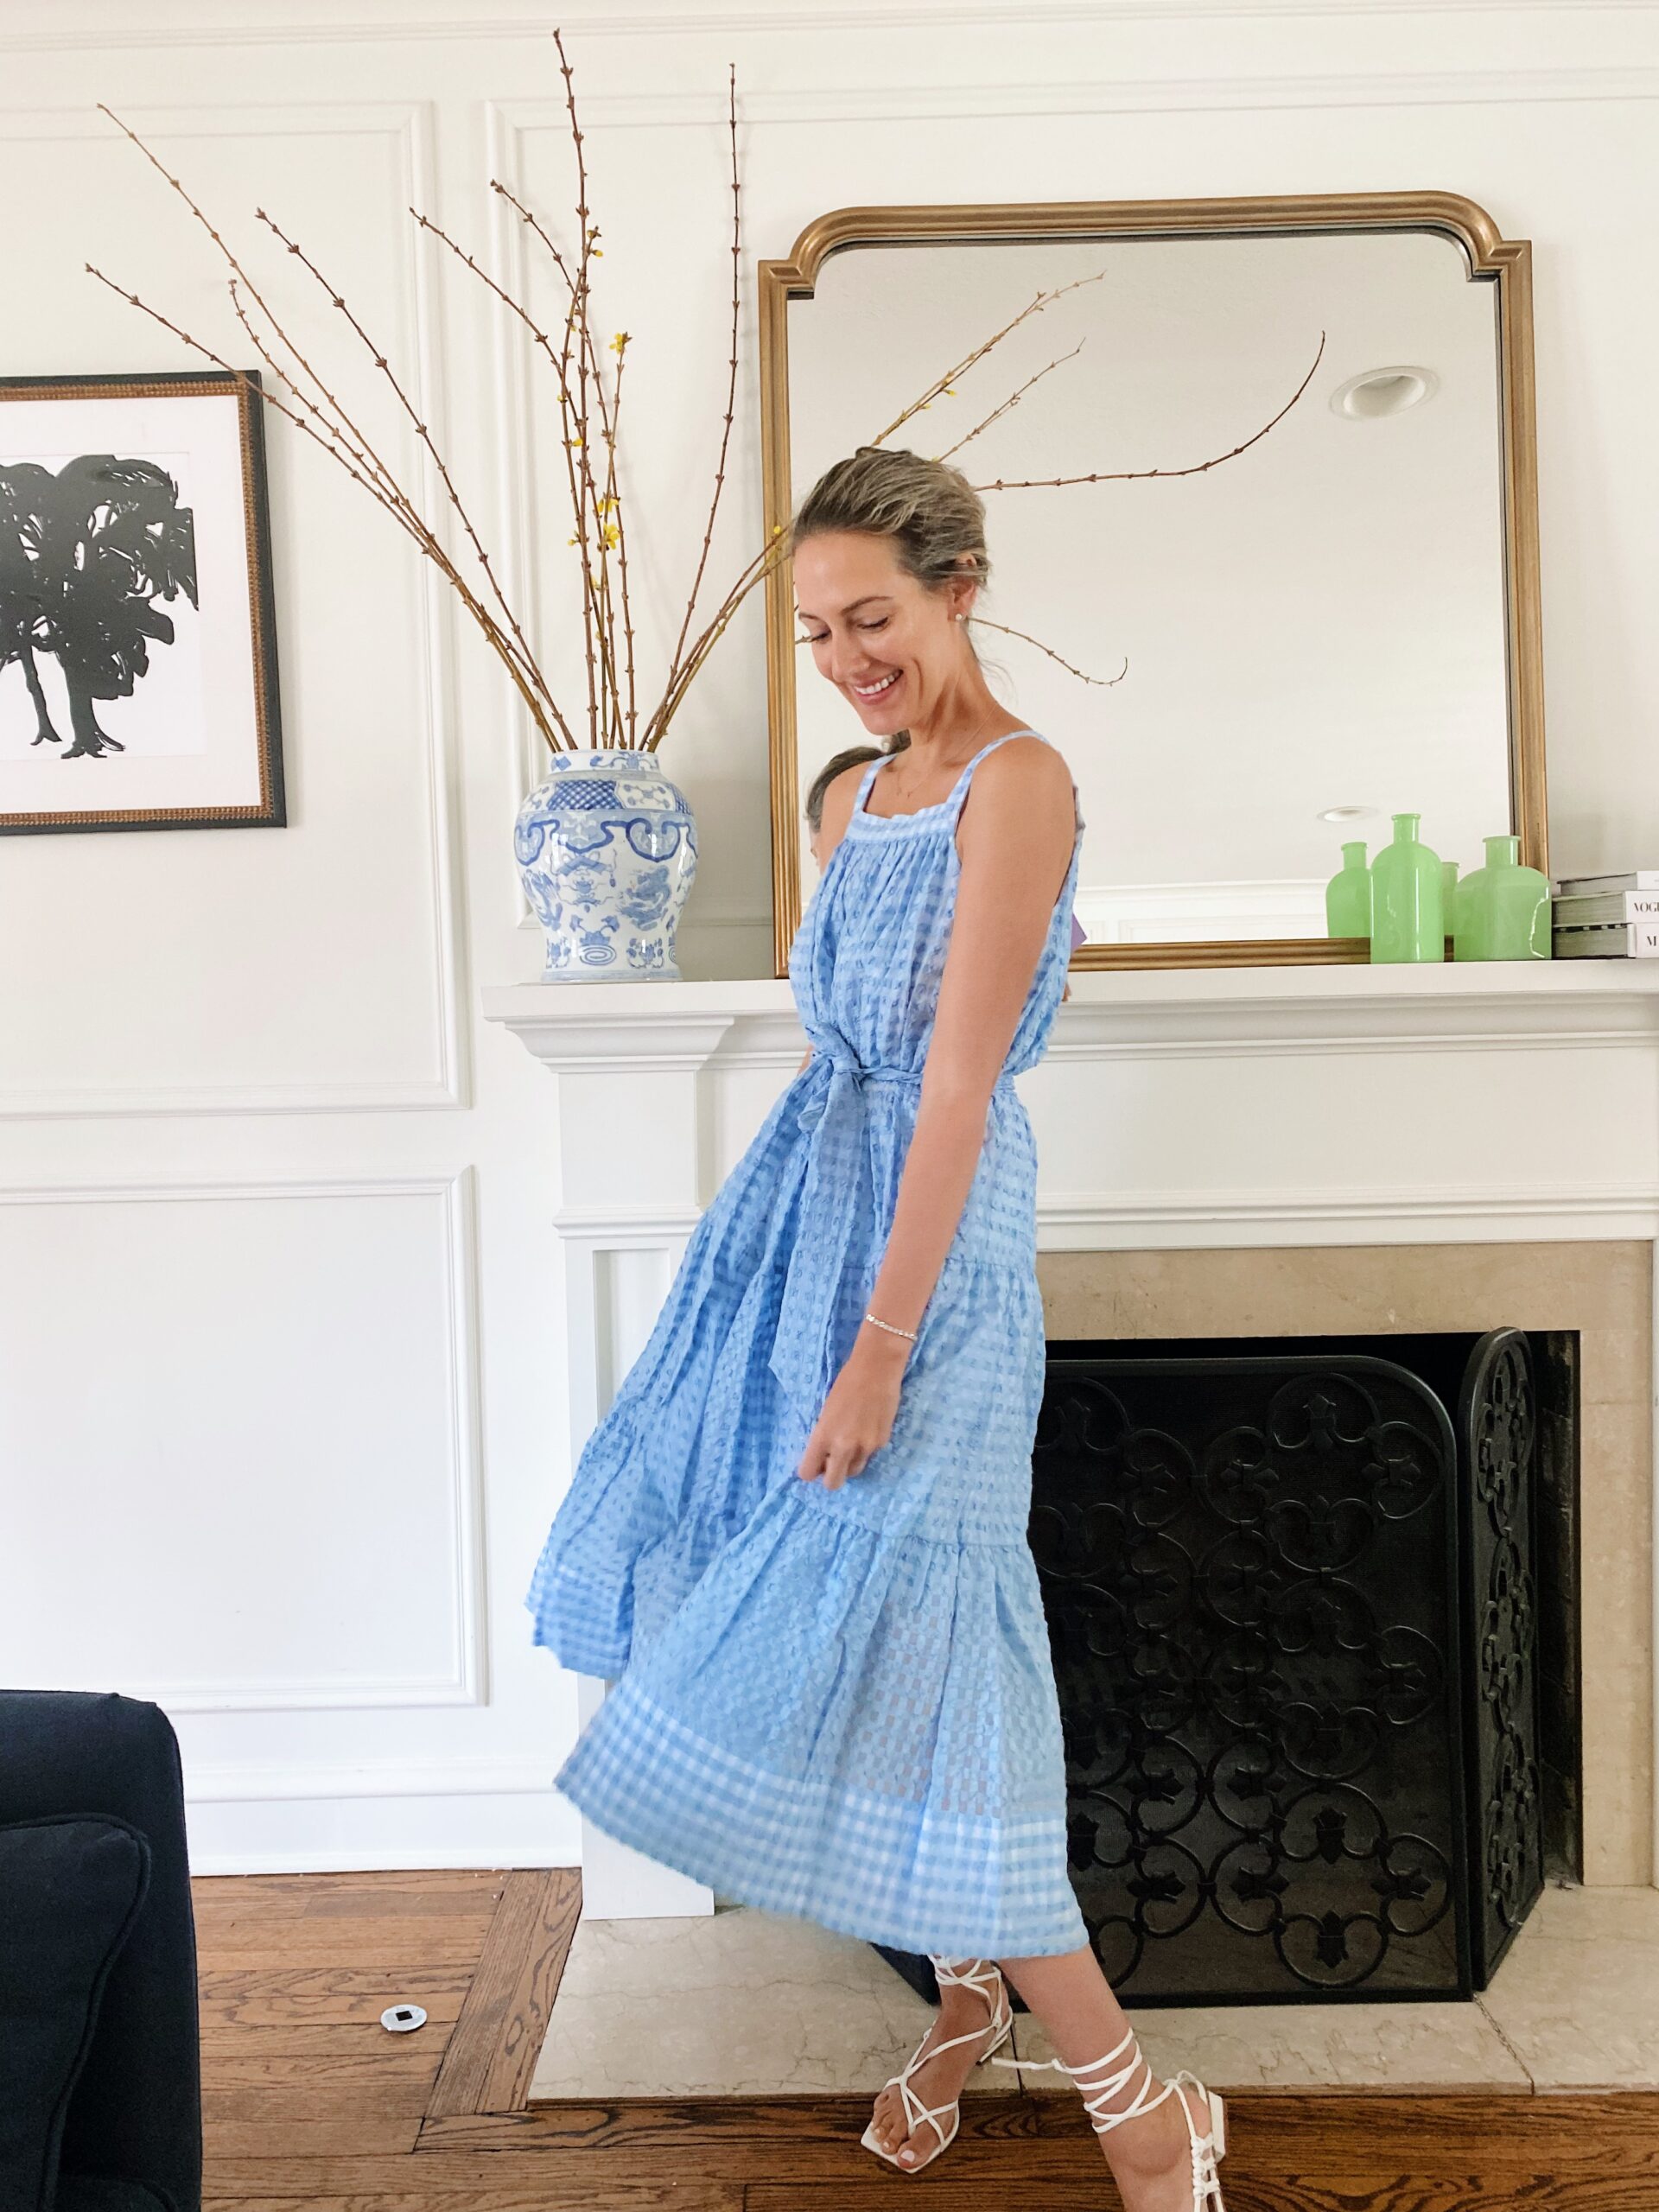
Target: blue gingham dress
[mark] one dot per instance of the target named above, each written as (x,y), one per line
(838,1705)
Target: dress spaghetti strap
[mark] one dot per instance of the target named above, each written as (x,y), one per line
(866,780)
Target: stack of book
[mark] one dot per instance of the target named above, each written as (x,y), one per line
(1606,917)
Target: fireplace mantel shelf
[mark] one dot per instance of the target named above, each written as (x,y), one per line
(1212,1012)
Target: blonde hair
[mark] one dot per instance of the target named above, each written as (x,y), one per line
(928,511)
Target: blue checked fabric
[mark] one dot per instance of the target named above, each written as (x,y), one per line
(836,1705)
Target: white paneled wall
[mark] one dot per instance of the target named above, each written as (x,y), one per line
(285,1401)
(284,1371)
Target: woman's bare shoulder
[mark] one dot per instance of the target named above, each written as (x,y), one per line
(1025,781)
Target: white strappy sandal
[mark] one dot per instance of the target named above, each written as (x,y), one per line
(1207,2150)
(982,1976)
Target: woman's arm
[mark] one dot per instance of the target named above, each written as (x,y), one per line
(1015,838)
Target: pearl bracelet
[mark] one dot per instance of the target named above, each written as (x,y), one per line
(890,1330)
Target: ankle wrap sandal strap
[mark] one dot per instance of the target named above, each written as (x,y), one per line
(1097,2095)
(982,1976)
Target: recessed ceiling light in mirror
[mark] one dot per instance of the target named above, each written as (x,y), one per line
(1347,814)
(1377,392)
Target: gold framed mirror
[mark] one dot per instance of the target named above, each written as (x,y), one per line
(1337,623)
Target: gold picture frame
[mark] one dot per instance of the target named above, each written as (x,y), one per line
(1504,262)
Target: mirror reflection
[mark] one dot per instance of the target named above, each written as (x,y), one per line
(1273,655)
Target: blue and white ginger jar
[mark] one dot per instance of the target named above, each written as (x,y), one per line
(606,851)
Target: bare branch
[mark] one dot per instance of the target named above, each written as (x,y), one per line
(337,300)
(731,381)
(941,385)
(1009,403)
(980,623)
(1148,475)
(369,469)
(754,571)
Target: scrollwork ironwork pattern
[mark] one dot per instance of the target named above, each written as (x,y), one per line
(1498,1418)
(1245,1570)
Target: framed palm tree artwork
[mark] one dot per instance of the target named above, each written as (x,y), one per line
(138,645)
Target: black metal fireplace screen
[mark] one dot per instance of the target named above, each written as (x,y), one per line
(1291,1596)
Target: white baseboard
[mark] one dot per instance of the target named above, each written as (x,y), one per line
(289,1832)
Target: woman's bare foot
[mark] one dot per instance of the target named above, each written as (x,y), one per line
(938,2082)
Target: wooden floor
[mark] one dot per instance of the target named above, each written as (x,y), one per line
(309,2101)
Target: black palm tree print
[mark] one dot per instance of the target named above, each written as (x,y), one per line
(86,553)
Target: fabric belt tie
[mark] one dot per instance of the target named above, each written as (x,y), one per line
(838,1236)
(848,1074)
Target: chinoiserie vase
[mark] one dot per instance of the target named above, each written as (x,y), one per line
(1407,901)
(1503,909)
(607,849)
(1348,896)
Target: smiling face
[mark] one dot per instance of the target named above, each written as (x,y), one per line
(890,645)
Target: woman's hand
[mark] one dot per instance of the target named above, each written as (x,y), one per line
(859,1412)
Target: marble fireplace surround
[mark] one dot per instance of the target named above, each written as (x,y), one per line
(1251,1151)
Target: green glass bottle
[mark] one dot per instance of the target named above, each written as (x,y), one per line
(1348,896)
(1503,909)
(1407,905)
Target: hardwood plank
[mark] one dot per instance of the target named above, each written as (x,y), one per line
(492,2051)
(321,2039)
(228,2066)
(479,2181)
(548,2193)
(219,1897)
(1473,2134)
(213,1915)
(1360,2192)
(363,2135)
(323,1941)
(431,1881)
(810,2137)
(478,1900)
(305,2106)
(277,1997)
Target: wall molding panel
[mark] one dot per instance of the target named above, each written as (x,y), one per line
(212,1783)
(465,1682)
(587,16)
(895,101)
(409,125)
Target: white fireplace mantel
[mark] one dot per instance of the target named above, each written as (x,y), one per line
(1199,1109)
(1265,1105)
(1216,1011)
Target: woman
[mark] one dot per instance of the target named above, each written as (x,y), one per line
(797,1540)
